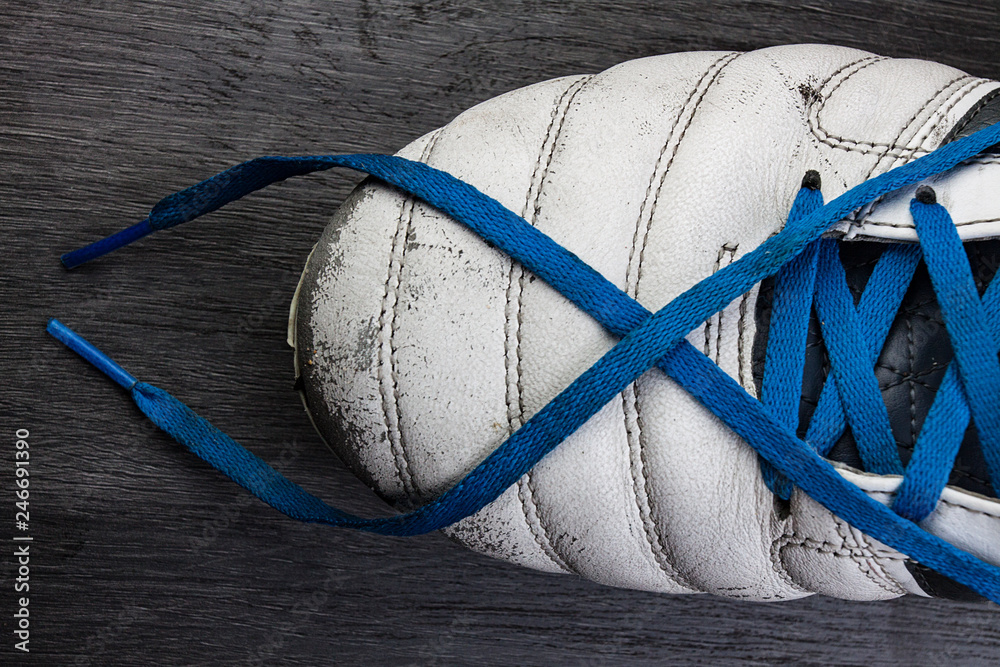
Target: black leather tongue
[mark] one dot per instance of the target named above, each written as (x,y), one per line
(913,361)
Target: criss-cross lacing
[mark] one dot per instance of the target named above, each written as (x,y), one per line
(807,271)
(854,337)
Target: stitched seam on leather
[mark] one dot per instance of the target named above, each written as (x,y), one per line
(636,257)
(913,380)
(641,234)
(935,119)
(923,130)
(512,345)
(908,374)
(882,572)
(879,575)
(901,225)
(871,147)
(892,149)
(527,496)
(858,558)
(911,358)
(876,570)
(512,354)
(718,66)
(641,489)
(811,105)
(971,113)
(515,284)
(860,555)
(630,397)
(968,509)
(796,540)
(388,387)
(778,564)
(539,177)
(708,322)
(860,64)
(970,85)
(822,96)
(727,251)
(708,326)
(842,143)
(388,324)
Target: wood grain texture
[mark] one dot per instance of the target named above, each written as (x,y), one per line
(143,554)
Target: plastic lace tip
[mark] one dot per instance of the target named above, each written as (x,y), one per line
(75,258)
(98,359)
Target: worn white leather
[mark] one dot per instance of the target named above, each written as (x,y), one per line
(428,347)
(959,190)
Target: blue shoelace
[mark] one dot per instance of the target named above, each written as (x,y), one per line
(807,271)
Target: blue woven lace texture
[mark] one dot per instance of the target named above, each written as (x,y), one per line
(805,263)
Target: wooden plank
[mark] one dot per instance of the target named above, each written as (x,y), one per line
(142,554)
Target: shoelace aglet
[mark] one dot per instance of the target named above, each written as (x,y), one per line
(102,247)
(85,349)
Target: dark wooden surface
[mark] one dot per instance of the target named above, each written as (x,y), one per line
(144,555)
